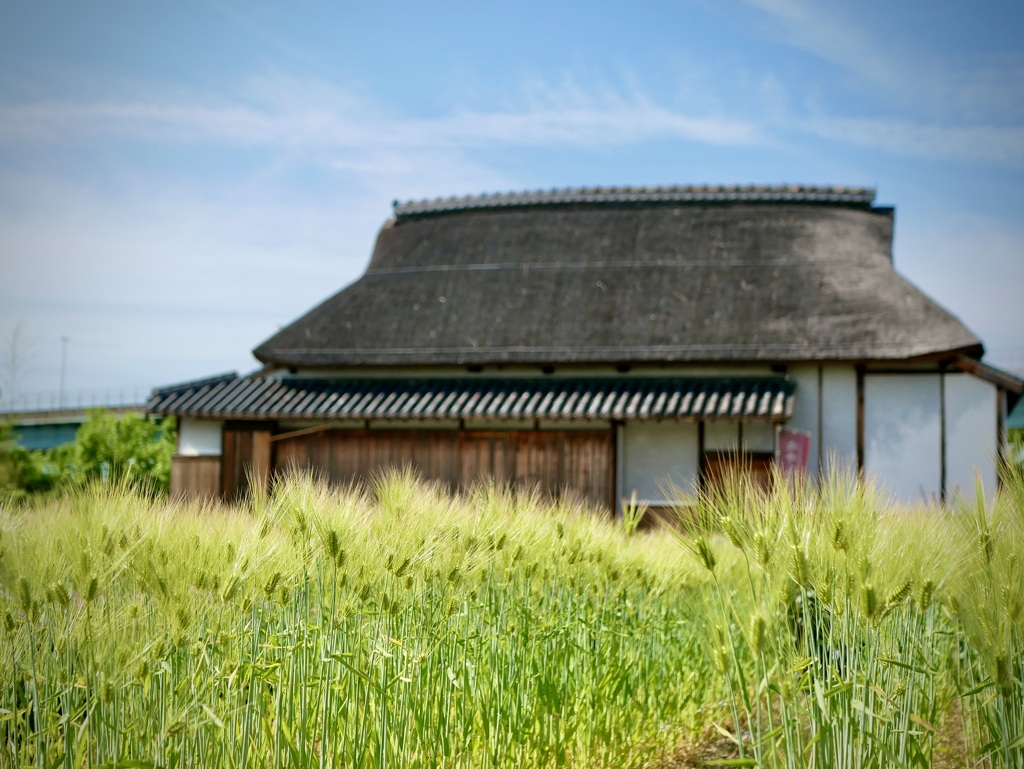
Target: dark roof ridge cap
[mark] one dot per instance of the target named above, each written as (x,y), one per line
(736,193)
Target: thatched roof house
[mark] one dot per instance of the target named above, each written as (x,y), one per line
(650,324)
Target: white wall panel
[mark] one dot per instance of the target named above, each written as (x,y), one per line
(653,455)
(971,430)
(902,434)
(805,410)
(839,418)
(759,437)
(199,437)
(721,436)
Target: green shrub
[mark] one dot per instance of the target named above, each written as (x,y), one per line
(107,447)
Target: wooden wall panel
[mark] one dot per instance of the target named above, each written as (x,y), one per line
(195,477)
(729,467)
(580,460)
(486,456)
(588,465)
(246,458)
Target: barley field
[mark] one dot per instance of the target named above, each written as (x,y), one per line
(398,625)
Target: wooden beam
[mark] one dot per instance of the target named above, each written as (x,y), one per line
(821,422)
(998,377)
(1001,414)
(614,449)
(942,437)
(297,433)
(860,418)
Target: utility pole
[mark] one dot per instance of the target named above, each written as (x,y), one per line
(63,366)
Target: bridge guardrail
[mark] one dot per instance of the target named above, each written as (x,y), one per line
(123,397)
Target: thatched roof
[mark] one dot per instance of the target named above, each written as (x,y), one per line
(668,275)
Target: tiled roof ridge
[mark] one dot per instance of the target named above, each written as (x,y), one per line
(735,193)
(194,384)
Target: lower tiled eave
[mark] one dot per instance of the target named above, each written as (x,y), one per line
(691,398)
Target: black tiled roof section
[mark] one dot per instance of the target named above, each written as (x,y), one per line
(198,384)
(735,398)
(746,193)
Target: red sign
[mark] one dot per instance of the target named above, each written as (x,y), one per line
(794,446)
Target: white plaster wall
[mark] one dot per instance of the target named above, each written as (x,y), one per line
(759,437)
(654,455)
(721,436)
(837,444)
(839,419)
(725,436)
(199,438)
(805,410)
(902,434)
(971,433)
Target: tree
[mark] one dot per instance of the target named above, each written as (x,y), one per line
(22,472)
(129,447)
(15,354)
(107,447)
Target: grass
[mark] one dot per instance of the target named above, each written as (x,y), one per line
(317,627)
(401,626)
(849,630)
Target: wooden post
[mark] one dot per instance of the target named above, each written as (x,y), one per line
(260,468)
(860,419)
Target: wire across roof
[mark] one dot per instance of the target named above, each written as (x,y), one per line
(735,398)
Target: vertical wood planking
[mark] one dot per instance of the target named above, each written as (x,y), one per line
(579,460)
(195,477)
(246,453)
(260,467)
(228,453)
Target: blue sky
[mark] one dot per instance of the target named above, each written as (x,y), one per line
(178,180)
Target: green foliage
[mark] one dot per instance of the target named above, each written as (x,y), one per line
(846,627)
(1015,447)
(107,447)
(22,472)
(399,626)
(112,447)
(394,627)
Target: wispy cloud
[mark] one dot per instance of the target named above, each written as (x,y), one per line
(825,31)
(916,73)
(988,144)
(315,115)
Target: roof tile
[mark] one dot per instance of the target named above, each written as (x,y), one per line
(759,398)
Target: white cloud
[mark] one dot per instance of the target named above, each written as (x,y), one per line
(161,277)
(989,144)
(315,116)
(823,29)
(916,78)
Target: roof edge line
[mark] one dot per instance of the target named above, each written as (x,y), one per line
(748,193)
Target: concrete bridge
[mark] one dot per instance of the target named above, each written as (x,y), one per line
(45,420)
